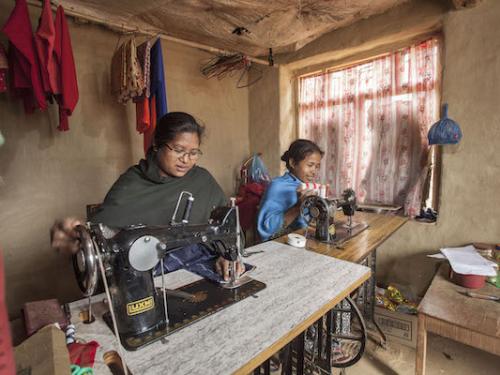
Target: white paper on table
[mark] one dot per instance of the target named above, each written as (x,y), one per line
(467,261)
(437,256)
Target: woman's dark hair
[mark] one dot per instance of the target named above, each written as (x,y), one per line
(174,123)
(299,150)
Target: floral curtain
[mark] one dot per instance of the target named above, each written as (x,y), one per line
(371,120)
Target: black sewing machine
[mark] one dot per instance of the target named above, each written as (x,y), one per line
(322,212)
(128,256)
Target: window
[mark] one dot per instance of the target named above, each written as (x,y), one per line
(371,119)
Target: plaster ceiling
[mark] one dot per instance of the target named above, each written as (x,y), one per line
(284,25)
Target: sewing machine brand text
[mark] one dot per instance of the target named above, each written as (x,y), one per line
(140,306)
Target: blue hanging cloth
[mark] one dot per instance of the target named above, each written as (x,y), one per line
(158,87)
(158,93)
(445,131)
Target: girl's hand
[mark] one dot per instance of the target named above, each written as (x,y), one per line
(303,193)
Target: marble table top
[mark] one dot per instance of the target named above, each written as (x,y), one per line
(301,286)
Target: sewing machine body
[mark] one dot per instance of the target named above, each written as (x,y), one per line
(323,211)
(129,256)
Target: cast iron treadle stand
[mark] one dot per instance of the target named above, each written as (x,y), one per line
(313,351)
(366,299)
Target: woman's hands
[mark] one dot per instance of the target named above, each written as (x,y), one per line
(222,268)
(63,237)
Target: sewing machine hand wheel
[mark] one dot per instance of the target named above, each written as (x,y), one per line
(309,210)
(85,262)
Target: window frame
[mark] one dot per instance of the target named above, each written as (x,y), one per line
(433,182)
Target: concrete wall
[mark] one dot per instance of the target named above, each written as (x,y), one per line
(45,174)
(272,115)
(470,198)
(264,117)
(471,86)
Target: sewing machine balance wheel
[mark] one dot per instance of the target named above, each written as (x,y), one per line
(85,262)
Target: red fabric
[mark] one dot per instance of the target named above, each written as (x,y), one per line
(248,199)
(3,80)
(44,42)
(4,68)
(83,355)
(372,120)
(25,71)
(7,365)
(150,132)
(68,96)
(142,115)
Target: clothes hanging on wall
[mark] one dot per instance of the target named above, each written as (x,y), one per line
(68,93)
(41,65)
(23,60)
(4,68)
(143,115)
(127,81)
(144,58)
(44,41)
(158,98)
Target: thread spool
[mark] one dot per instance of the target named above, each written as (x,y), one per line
(296,240)
(319,189)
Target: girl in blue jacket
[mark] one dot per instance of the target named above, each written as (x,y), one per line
(280,207)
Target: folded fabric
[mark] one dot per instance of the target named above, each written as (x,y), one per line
(195,258)
(38,314)
(83,354)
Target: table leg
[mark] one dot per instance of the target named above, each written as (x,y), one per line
(367,300)
(421,346)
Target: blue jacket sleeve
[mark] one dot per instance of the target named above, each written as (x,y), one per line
(279,197)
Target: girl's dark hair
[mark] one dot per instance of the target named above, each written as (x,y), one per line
(299,150)
(174,123)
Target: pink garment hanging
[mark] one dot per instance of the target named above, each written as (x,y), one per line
(23,61)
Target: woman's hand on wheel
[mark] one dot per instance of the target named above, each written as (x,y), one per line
(63,237)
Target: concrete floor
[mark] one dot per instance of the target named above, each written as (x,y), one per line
(443,357)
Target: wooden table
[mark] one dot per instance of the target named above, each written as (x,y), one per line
(380,228)
(301,287)
(447,312)
(360,249)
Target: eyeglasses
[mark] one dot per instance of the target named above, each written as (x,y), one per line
(180,152)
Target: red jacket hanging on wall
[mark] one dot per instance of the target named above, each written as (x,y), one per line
(44,41)
(23,60)
(68,96)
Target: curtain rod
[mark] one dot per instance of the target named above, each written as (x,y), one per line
(113,26)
